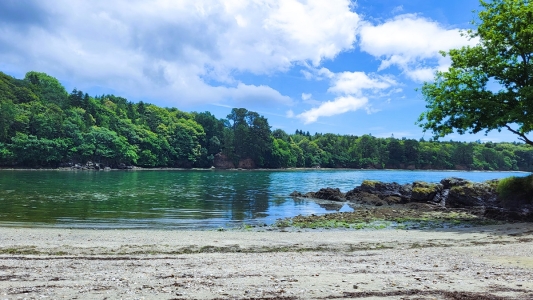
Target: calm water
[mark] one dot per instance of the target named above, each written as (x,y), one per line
(180,199)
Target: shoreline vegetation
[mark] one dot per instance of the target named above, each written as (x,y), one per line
(136,168)
(44,126)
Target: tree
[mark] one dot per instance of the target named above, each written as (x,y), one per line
(47,87)
(488,86)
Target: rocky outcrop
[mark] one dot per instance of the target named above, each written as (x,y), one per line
(330,194)
(450,192)
(472,194)
(425,192)
(324,194)
(388,193)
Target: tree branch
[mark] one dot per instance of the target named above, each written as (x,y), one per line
(522,136)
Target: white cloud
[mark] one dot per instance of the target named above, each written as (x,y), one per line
(354,88)
(317,74)
(260,94)
(412,43)
(330,108)
(353,83)
(308,99)
(186,50)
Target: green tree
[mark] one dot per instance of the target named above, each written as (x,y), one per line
(48,88)
(250,136)
(488,86)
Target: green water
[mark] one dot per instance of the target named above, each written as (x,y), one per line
(180,199)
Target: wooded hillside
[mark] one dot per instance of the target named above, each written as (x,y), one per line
(42,125)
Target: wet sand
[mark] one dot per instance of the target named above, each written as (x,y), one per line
(488,262)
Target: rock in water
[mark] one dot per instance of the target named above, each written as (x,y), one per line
(330,194)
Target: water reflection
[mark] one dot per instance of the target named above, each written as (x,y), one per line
(180,199)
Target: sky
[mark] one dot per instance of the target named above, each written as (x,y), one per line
(336,66)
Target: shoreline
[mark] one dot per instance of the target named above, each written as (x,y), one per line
(487,262)
(258,169)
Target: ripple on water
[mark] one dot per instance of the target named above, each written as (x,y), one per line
(183,199)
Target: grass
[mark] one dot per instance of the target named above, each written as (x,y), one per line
(516,189)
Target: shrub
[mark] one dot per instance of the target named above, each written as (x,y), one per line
(514,190)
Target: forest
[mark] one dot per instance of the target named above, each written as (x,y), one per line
(44,126)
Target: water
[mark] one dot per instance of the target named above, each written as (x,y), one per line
(177,199)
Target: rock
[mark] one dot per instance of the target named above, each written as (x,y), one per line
(309,195)
(366,198)
(448,183)
(393,200)
(381,188)
(441,197)
(393,192)
(330,194)
(296,194)
(472,194)
(424,192)
(406,191)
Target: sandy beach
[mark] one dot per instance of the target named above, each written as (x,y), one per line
(489,262)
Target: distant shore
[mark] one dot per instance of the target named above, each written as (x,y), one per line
(488,262)
(257,169)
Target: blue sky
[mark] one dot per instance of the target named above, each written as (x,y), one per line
(336,66)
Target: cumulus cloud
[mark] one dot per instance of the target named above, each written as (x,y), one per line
(188,50)
(354,89)
(411,43)
(353,83)
(330,108)
(261,94)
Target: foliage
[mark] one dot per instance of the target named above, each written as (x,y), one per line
(488,86)
(38,130)
(514,189)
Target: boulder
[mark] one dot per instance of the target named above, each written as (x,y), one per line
(472,194)
(441,197)
(296,194)
(424,192)
(448,183)
(330,194)
(393,200)
(389,193)
(367,198)
(381,188)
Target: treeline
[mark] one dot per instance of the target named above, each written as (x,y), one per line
(42,125)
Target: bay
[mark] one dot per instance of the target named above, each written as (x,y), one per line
(182,199)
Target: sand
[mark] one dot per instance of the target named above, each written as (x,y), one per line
(489,262)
